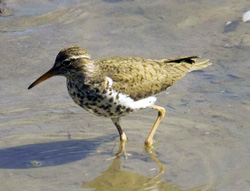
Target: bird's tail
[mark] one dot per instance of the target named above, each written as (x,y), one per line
(199,64)
(187,64)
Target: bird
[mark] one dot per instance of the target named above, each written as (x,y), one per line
(114,87)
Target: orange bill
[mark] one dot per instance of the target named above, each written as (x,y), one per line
(47,75)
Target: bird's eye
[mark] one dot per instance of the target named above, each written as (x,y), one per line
(66,62)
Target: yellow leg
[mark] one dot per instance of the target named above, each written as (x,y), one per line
(123,136)
(161,113)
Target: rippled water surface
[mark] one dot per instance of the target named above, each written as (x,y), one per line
(49,143)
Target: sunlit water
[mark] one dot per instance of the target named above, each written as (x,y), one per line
(49,143)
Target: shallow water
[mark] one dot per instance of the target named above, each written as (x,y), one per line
(49,143)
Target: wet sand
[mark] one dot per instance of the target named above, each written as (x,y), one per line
(49,143)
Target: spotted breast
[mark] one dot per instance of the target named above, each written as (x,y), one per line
(105,102)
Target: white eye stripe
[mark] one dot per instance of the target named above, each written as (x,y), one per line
(77,57)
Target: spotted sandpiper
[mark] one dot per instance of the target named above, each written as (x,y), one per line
(117,86)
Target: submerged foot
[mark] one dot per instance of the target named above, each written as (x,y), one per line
(149,144)
(121,151)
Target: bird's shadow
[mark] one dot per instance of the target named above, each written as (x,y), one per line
(51,153)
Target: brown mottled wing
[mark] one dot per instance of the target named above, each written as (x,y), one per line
(140,78)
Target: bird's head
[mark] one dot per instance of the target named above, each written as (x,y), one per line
(68,62)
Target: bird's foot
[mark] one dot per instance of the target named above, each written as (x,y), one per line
(121,151)
(149,144)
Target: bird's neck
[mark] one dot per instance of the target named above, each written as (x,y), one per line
(89,73)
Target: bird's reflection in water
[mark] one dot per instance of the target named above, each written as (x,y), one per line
(117,179)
